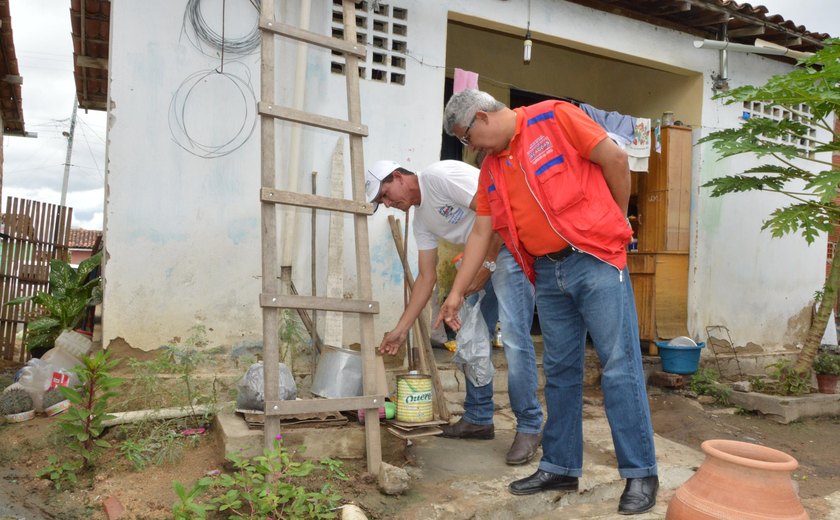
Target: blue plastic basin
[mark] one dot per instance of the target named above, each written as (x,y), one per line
(679,360)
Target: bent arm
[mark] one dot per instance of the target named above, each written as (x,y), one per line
(474,254)
(613,162)
(423,285)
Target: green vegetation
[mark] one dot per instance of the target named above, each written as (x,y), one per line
(65,304)
(82,423)
(267,486)
(810,93)
(16,400)
(706,381)
(827,363)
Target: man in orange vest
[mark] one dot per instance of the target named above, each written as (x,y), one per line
(556,189)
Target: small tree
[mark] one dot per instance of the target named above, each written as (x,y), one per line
(813,210)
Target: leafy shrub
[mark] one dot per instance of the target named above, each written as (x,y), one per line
(706,382)
(266,486)
(787,381)
(827,364)
(71,292)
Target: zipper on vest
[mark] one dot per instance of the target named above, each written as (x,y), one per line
(574,248)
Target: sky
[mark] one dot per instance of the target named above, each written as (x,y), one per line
(34,168)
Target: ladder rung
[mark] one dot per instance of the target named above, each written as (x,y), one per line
(301,35)
(318,303)
(305,200)
(308,118)
(323,405)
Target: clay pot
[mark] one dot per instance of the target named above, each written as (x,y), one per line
(739,481)
(827,383)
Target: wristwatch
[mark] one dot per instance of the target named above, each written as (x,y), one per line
(490,265)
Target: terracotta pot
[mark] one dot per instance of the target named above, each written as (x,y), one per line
(739,481)
(827,383)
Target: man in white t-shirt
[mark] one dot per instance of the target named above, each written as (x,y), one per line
(444,208)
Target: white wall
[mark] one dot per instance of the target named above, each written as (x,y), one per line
(183,233)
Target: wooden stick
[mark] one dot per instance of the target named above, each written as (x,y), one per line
(426,345)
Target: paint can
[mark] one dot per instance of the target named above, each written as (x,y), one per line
(414,398)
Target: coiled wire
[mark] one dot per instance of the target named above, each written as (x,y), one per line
(178,107)
(194,18)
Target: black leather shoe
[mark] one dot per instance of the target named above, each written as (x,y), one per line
(543,481)
(464,430)
(639,495)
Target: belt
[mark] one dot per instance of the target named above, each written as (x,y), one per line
(559,256)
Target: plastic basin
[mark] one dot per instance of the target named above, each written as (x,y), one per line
(679,359)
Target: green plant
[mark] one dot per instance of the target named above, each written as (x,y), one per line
(827,363)
(83,421)
(60,472)
(16,400)
(180,359)
(154,442)
(706,382)
(52,397)
(788,381)
(262,487)
(810,93)
(292,336)
(70,294)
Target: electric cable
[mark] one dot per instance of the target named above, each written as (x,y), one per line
(201,30)
(178,111)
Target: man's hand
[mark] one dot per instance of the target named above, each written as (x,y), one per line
(449,312)
(391,342)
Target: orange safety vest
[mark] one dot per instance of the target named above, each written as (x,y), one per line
(570,190)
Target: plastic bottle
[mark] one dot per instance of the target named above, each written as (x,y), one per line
(75,344)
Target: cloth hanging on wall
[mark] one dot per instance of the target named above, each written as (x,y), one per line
(632,134)
(464,80)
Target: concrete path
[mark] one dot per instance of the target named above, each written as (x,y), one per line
(468,479)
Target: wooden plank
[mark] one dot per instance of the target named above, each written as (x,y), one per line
(373,441)
(365,402)
(268,216)
(305,200)
(301,35)
(439,399)
(333,321)
(318,303)
(671,288)
(316,120)
(413,434)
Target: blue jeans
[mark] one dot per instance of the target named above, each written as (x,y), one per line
(510,298)
(576,295)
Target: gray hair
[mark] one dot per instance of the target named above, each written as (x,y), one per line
(463,106)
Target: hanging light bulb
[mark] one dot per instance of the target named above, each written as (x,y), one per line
(528,43)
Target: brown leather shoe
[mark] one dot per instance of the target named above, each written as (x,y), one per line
(523,449)
(464,430)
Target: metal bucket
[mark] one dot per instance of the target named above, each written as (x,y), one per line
(414,398)
(338,374)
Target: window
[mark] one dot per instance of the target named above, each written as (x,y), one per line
(383,29)
(800,113)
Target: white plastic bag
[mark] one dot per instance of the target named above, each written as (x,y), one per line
(473,345)
(251,389)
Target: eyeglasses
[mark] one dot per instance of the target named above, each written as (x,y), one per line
(465,139)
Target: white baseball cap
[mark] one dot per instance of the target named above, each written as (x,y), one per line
(374,177)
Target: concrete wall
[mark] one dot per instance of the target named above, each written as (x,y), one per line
(183,233)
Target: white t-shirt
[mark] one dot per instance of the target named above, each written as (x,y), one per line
(446,190)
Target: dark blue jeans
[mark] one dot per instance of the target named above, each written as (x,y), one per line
(509,299)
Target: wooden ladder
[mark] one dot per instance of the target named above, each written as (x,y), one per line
(271,299)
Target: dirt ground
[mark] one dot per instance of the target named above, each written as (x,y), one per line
(149,494)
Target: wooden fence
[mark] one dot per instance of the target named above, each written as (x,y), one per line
(33,233)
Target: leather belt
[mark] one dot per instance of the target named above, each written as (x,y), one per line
(558,256)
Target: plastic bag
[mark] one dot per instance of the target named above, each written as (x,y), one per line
(473,345)
(251,389)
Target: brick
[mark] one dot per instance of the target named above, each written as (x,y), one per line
(113,508)
(667,380)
